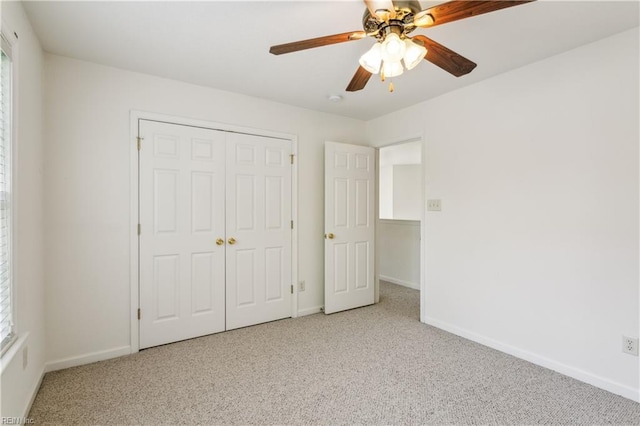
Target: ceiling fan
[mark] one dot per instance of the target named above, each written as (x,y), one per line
(391,22)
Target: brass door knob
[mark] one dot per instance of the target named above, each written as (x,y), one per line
(232,241)
(219,241)
(330,236)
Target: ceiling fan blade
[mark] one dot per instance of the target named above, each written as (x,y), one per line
(359,80)
(316,42)
(456,10)
(446,58)
(381,5)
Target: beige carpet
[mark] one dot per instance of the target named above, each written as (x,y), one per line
(374,365)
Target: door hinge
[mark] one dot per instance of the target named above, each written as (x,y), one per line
(291,156)
(139,313)
(291,288)
(139,139)
(139,229)
(291,224)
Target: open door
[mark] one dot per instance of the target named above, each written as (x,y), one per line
(349,226)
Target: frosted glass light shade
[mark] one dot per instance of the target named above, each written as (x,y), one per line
(413,54)
(392,69)
(372,60)
(392,48)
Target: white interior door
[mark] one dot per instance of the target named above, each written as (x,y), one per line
(349,226)
(258,230)
(182,268)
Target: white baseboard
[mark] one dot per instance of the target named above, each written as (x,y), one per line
(34,392)
(415,286)
(567,370)
(309,311)
(86,358)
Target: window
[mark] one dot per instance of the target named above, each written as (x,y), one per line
(6,297)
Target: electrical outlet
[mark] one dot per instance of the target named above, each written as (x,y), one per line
(25,357)
(302,286)
(434,205)
(630,345)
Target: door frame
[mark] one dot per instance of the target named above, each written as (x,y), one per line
(423,218)
(134,280)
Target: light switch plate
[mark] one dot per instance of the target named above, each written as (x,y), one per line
(434,205)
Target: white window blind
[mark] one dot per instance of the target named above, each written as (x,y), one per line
(6,297)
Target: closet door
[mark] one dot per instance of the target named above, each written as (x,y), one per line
(258,230)
(182,247)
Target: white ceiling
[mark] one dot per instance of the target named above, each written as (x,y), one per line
(225,45)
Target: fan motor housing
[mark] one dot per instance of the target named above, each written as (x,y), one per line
(405,10)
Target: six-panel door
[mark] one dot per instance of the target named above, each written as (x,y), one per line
(259,221)
(182,269)
(349,226)
(215,246)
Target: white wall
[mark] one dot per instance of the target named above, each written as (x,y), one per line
(535,251)
(407,202)
(18,384)
(385,191)
(399,180)
(398,246)
(88,190)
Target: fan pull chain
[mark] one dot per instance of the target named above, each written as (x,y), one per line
(390,83)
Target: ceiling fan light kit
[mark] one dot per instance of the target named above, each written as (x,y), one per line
(391,69)
(372,60)
(385,56)
(394,51)
(413,54)
(392,48)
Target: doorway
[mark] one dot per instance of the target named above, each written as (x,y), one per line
(400,196)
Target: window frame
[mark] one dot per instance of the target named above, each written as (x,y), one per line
(9,46)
